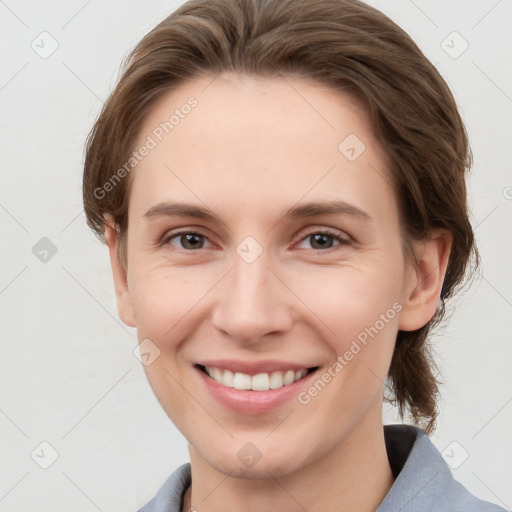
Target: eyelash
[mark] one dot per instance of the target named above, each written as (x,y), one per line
(341,241)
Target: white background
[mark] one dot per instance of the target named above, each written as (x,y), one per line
(68,373)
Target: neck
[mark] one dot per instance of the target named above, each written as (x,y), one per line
(354,475)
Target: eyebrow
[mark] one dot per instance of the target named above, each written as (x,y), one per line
(304,210)
(326,208)
(166,209)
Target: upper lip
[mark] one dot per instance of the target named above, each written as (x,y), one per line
(254,367)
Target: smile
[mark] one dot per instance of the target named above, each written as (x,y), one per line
(258,382)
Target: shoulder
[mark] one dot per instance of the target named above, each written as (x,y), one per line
(423,480)
(170,495)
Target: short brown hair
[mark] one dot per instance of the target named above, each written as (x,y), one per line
(348,46)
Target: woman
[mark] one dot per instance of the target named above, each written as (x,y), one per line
(281,185)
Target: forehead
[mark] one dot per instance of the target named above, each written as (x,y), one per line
(258,141)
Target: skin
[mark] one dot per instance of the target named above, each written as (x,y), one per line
(249,151)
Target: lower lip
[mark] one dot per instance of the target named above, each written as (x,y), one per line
(251,402)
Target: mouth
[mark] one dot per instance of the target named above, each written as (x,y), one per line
(262,381)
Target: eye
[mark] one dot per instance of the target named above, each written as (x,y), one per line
(322,240)
(187,240)
(192,241)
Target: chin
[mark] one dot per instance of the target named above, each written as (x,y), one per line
(262,470)
(247,462)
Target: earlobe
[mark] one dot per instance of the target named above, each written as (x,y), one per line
(124,305)
(423,288)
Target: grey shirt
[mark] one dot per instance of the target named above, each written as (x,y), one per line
(423,480)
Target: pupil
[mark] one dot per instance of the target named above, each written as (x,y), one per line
(191,241)
(320,241)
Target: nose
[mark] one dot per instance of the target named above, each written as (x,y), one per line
(252,303)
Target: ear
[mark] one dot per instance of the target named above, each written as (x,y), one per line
(124,305)
(425,280)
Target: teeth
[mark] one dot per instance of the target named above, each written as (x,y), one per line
(276,380)
(289,377)
(258,382)
(225,377)
(242,381)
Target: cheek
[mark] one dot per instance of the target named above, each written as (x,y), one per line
(166,300)
(166,304)
(358,317)
(347,301)
(356,312)
(153,300)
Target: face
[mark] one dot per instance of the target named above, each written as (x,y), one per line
(264,247)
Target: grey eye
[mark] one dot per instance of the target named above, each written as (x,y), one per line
(319,241)
(189,241)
